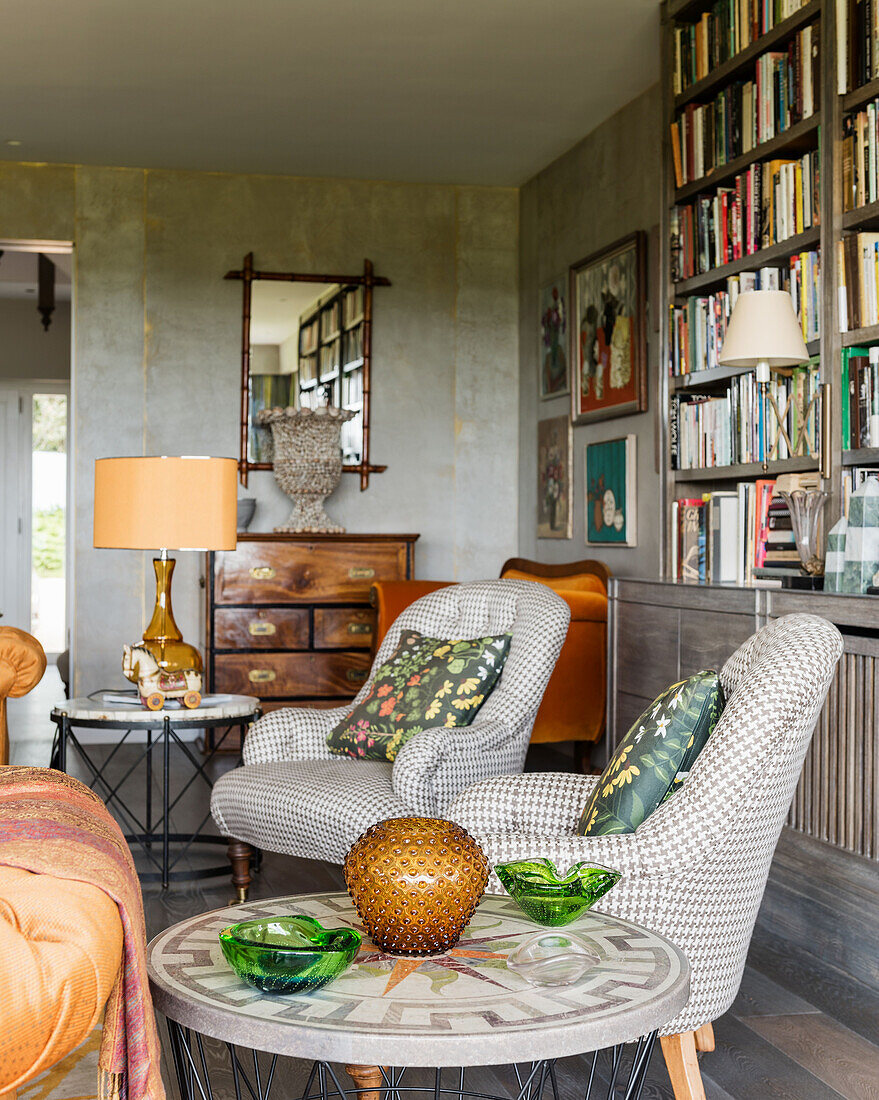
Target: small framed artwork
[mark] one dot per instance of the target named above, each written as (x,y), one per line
(553,350)
(611,492)
(608,342)
(555,464)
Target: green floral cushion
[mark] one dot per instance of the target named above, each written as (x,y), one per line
(427,682)
(655,756)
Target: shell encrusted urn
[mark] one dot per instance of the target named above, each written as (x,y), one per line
(416,882)
(307,461)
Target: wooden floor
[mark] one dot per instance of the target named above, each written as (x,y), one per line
(799,1030)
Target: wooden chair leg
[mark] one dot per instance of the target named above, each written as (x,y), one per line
(683,1065)
(705,1038)
(367,1080)
(239,856)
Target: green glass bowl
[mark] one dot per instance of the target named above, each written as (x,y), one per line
(292,954)
(550,898)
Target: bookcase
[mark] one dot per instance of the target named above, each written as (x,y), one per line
(752,199)
(331,361)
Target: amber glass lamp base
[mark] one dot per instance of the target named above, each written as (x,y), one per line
(162,637)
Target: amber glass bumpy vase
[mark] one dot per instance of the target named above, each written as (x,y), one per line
(415,882)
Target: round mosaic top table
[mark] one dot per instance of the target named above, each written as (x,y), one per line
(463,1008)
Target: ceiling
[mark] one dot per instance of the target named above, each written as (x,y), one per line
(18,275)
(277,307)
(460,91)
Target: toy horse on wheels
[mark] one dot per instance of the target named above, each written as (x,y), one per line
(154,685)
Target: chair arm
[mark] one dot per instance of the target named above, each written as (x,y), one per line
(295,733)
(539,802)
(438,763)
(586,606)
(620,853)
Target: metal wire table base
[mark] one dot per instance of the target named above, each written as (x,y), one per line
(533,1080)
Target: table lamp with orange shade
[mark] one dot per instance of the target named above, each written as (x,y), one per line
(166,503)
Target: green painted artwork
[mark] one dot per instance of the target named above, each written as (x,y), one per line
(610,492)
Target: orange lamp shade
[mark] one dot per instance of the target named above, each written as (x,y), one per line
(186,503)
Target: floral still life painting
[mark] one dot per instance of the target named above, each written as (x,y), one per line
(611,492)
(553,349)
(426,682)
(608,341)
(554,475)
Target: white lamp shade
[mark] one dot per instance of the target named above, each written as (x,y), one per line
(763,329)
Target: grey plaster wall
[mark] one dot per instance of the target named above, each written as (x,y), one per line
(156,360)
(26,349)
(607,186)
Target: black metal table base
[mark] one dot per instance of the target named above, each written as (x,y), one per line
(154,834)
(533,1080)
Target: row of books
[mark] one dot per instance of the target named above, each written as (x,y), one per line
(852,478)
(354,345)
(329,357)
(698,327)
(769,202)
(858,257)
(308,337)
(739,536)
(860,157)
(784,91)
(858,33)
(352,389)
(721,33)
(352,309)
(330,320)
(709,430)
(860,398)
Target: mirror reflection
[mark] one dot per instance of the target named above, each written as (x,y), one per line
(306,350)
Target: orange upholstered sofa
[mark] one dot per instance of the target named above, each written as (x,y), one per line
(575,702)
(22,664)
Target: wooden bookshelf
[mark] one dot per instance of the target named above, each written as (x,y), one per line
(852,100)
(864,456)
(700,378)
(763,257)
(858,336)
(862,217)
(746,471)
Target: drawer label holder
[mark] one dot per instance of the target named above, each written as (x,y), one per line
(261,675)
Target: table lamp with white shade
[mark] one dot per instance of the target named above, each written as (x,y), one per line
(763,333)
(166,503)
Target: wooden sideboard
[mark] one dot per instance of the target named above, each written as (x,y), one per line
(824,878)
(289,618)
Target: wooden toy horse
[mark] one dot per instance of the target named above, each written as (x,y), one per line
(154,685)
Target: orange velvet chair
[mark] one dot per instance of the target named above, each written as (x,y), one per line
(575,702)
(22,664)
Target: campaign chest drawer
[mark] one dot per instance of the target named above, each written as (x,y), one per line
(282,675)
(262,628)
(344,627)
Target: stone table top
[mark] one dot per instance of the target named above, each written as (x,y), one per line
(462,1008)
(93,710)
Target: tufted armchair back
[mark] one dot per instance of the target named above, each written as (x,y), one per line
(22,664)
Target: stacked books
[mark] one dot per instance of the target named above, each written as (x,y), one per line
(769,202)
(708,430)
(860,398)
(859,280)
(721,33)
(858,22)
(698,327)
(737,536)
(784,91)
(860,157)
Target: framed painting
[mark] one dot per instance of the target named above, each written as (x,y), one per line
(553,350)
(555,463)
(608,343)
(611,492)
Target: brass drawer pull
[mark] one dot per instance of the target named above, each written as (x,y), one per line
(258,628)
(261,675)
(359,628)
(262,572)
(355,675)
(361,573)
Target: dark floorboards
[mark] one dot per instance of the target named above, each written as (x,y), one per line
(798,1030)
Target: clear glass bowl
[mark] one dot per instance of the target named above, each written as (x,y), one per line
(553,958)
(550,898)
(292,954)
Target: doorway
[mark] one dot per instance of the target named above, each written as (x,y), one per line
(35,507)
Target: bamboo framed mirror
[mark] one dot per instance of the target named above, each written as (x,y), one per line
(307,344)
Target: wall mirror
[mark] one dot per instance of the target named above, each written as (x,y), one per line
(306,341)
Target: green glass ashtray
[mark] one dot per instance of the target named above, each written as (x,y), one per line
(550,898)
(292,954)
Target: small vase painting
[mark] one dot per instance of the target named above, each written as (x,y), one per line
(553,350)
(554,470)
(611,492)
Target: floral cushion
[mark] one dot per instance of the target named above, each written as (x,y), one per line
(427,682)
(655,756)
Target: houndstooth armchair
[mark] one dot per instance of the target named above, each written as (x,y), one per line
(696,869)
(293,796)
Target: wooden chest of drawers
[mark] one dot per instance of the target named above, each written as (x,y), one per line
(288,616)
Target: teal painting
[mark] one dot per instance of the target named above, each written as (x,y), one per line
(611,496)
